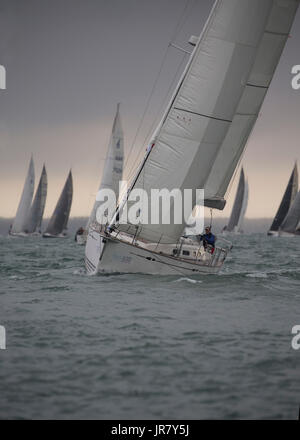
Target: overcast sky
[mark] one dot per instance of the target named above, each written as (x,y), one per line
(69,62)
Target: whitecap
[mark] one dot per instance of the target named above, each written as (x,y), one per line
(189,280)
(257,275)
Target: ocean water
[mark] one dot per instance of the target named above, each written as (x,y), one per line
(147,347)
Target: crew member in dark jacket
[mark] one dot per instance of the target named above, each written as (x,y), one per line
(208,238)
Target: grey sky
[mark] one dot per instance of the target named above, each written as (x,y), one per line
(69,62)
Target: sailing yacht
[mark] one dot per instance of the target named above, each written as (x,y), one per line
(236,219)
(58,222)
(290,224)
(112,172)
(200,139)
(286,202)
(34,220)
(20,222)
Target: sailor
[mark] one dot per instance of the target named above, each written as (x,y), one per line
(80,231)
(208,239)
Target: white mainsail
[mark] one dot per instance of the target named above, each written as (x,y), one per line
(38,205)
(19,224)
(113,167)
(206,126)
(267,57)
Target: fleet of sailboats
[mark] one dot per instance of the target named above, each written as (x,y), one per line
(200,139)
(236,219)
(197,144)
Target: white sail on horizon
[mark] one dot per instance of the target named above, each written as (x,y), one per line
(59,219)
(35,216)
(21,218)
(292,219)
(240,205)
(113,167)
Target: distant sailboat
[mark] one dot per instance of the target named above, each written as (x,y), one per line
(58,222)
(290,224)
(286,202)
(112,171)
(20,221)
(34,221)
(236,219)
(199,140)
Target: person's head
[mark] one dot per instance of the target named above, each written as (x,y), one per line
(207,229)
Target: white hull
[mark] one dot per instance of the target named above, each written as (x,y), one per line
(47,235)
(273,233)
(24,234)
(286,234)
(81,239)
(113,255)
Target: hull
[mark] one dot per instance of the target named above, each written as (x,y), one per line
(47,235)
(81,239)
(286,234)
(18,234)
(273,233)
(111,255)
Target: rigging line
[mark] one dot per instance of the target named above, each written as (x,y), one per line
(179,23)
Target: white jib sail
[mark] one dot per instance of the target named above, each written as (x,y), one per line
(20,220)
(212,95)
(113,167)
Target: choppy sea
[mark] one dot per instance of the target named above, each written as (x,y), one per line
(149,347)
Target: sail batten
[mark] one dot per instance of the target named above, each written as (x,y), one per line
(20,221)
